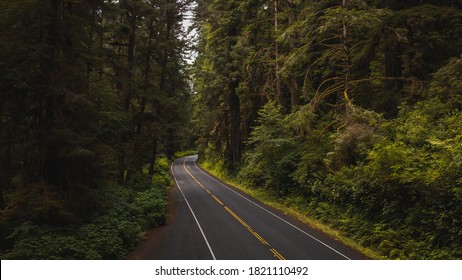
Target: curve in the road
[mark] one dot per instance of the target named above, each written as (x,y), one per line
(223,215)
(275,253)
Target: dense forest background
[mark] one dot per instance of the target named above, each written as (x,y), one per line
(348,110)
(94,100)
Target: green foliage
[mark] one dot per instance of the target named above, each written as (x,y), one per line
(85,103)
(349,110)
(161,176)
(446,84)
(428,43)
(273,155)
(423,140)
(110,234)
(121,214)
(402,189)
(185,153)
(152,207)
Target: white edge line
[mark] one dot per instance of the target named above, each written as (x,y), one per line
(192,212)
(282,219)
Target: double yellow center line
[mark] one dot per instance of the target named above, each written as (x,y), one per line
(275,253)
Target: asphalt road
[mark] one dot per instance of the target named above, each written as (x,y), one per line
(211,220)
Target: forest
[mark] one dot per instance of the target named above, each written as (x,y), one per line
(94,102)
(348,111)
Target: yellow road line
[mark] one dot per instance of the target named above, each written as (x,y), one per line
(260,238)
(217,200)
(276,254)
(238,218)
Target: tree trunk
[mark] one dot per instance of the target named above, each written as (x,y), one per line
(2,200)
(130,57)
(392,52)
(127,89)
(279,96)
(168,140)
(142,108)
(346,57)
(165,51)
(294,88)
(48,160)
(235,123)
(235,141)
(393,68)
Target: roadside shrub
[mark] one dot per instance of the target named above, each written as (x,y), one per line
(113,231)
(151,207)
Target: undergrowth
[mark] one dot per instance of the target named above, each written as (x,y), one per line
(123,214)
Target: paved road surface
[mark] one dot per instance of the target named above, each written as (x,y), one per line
(214,221)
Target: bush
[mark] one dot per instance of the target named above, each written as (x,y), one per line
(394,186)
(185,153)
(274,154)
(151,206)
(123,213)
